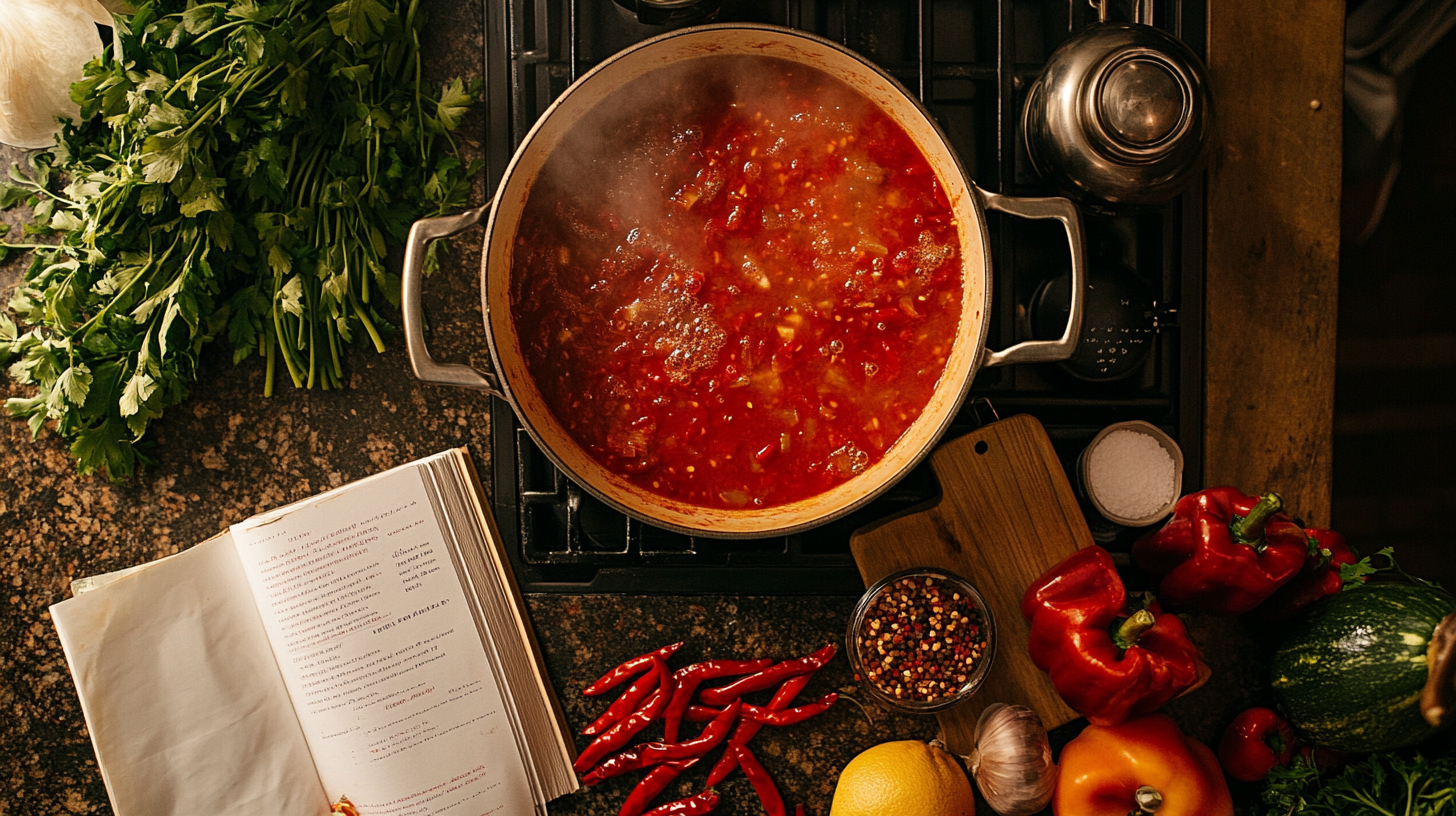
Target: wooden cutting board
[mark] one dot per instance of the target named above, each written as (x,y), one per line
(1006,514)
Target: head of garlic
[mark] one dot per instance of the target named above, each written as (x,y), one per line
(44,47)
(1012,761)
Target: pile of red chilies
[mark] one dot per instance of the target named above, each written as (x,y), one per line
(721,707)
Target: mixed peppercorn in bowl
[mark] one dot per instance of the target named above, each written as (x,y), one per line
(921,640)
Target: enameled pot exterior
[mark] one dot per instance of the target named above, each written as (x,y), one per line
(511,380)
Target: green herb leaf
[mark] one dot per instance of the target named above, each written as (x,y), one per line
(242,174)
(73,384)
(10,195)
(359,21)
(1381,784)
(139,389)
(1354,574)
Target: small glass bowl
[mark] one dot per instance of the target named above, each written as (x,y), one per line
(979,670)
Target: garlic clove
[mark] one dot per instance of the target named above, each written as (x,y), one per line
(44,47)
(1012,760)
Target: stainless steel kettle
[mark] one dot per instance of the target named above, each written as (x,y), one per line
(1121,113)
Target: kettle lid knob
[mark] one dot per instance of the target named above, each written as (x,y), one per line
(1141,103)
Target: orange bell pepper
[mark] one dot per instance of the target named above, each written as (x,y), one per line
(1142,765)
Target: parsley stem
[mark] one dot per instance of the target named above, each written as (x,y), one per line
(283,347)
(268,342)
(334,351)
(369,327)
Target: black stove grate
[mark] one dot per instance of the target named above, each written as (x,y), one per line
(970,63)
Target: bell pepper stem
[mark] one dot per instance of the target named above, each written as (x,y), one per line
(1148,799)
(1132,628)
(1275,742)
(1250,528)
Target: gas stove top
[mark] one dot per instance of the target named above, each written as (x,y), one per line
(970,63)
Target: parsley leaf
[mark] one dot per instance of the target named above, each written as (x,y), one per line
(238,176)
(1382,784)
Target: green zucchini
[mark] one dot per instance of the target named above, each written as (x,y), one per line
(1349,674)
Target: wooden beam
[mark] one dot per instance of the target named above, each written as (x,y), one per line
(1273,212)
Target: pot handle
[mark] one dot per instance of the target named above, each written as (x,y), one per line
(1063,210)
(425,368)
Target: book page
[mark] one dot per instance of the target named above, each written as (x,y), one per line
(181,695)
(371,630)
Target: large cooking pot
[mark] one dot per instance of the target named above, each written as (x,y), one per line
(511,380)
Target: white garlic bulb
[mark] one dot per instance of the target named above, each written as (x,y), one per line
(1012,761)
(44,45)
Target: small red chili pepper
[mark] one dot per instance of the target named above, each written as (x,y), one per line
(688,679)
(691,806)
(747,729)
(768,678)
(798,810)
(654,752)
(622,733)
(625,704)
(765,716)
(763,784)
(653,784)
(1256,741)
(627,670)
(701,713)
(1328,551)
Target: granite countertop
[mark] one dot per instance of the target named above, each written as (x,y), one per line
(227,453)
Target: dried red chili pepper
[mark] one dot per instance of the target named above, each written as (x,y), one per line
(622,733)
(763,784)
(1328,551)
(625,704)
(691,806)
(765,716)
(653,784)
(1222,552)
(653,753)
(688,679)
(747,729)
(768,678)
(1256,741)
(625,671)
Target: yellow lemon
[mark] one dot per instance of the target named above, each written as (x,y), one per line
(905,778)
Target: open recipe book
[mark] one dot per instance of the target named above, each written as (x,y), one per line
(369,642)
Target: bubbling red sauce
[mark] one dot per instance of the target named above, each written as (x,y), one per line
(737,285)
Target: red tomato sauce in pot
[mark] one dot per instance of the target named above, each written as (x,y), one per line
(737,287)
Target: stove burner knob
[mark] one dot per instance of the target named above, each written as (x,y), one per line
(671,12)
(1118,324)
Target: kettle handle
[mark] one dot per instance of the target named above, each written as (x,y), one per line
(425,368)
(1142,11)
(1063,210)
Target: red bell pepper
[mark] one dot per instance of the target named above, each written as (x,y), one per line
(1321,576)
(1256,741)
(1222,552)
(1145,765)
(1108,660)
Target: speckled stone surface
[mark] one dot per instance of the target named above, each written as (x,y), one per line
(584,636)
(227,453)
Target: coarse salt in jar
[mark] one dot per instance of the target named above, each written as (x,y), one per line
(1132,473)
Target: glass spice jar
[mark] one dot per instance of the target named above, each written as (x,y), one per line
(921,640)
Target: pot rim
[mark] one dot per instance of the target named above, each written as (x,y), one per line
(974,207)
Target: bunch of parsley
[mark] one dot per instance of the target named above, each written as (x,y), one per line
(1385,784)
(237,171)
